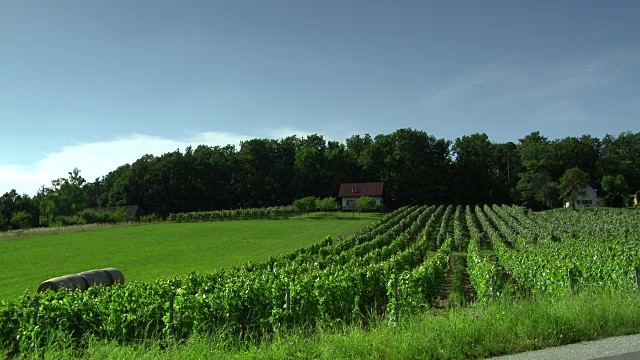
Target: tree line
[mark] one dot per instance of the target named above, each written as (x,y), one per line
(417,168)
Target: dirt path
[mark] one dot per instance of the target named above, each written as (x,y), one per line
(442,300)
(469,292)
(456,290)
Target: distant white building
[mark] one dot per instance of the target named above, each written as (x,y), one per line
(585,198)
(351,192)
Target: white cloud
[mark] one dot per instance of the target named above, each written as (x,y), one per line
(99,158)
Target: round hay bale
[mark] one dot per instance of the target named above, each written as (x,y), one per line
(77,282)
(54,284)
(96,277)
(115,275)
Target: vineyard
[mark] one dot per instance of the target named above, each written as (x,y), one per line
(276,212)
(401,264)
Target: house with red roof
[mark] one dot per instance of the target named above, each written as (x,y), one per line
(351,192)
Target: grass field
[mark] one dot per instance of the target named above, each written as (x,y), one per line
(150,251)
(488,329)
(238,314)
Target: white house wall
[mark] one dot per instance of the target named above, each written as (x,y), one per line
(590,199)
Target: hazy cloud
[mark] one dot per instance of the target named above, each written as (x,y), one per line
(99,158)
(512,96)
(462,88)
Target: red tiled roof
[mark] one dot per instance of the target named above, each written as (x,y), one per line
(361,189)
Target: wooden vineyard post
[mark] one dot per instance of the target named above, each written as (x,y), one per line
(637,278)
(395,290)
(493,287)
(36,306)
(570,280)
(16,324)
(288,306)
(171,328)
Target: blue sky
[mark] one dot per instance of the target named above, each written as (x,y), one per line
(96,84)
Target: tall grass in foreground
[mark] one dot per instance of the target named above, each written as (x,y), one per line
(501,327)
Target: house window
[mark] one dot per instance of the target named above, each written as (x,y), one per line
(351,203)
(355,190)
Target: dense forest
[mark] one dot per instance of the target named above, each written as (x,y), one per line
(417,168)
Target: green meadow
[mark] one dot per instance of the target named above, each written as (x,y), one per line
(453,325)
(150,251)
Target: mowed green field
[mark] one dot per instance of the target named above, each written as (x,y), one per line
(151,251)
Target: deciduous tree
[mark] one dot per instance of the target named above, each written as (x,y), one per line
(327,204)
(306,204)
(573,183)
(365,203)
(616,189)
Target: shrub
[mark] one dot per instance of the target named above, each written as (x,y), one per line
(306,204)
(120,215)
(69,220)
(150,218)
(22,220)
(327,204)
(92,216)
(366,203)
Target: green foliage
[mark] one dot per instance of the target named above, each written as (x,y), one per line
(67,220)
(327,204)
(245,300)
(460,333)
(457,297)
(17,211)
(620,157)
(597,251)
(347,282)
(416,168)
(573,182)
(484,273)
(538,188)
(616,189)
(151,218)
(21,220)
(120,215)
(278,212)
(365,203)
(419,285)
(60,203)
(306,204)
(146,252)
(545,162)
(475,167)
(92,216)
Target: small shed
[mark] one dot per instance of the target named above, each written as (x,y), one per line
(352,191)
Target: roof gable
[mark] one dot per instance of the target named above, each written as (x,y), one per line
(587,188)
(361,189)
